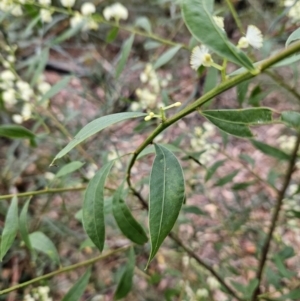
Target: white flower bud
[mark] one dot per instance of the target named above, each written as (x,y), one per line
(7,75)
(9,97)
(44,87)
(88,8)
(17,118)
(76,20)
(68,3)
(17,11)
(213,283)
(116,11)
(45,2)
(46,15)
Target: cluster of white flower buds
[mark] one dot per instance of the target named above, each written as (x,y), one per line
(16,91)
(201,140)
(149,95)
(40,293)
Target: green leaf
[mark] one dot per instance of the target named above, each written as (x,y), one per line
(144,23)
(211,171)
(270,150)
(15,132)
(166,196)
(242,90)
(93,207)
(211,79)
(193,209)
(295,35)
(42,243)
(112,34)
(94,127)
(126,222)
(294,295)
(251,116)
(43,59)
(201,24)
(56,88)
(125,283)
(166,57)
(281,268)
(287,61)
(226,179)
(291,118)
(70,32)
(126,48)
(242,185)
(78,288)
(69,168)
(23,225)
(236,129)
(10,227)
(150,45)
(248,159)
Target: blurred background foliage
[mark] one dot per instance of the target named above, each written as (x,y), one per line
(55,79)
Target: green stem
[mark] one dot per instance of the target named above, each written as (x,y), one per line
(65,269)
(235,16)
(226,85)
(44,191)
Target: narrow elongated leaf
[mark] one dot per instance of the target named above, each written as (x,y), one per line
(193,209)
(226,179)
(10,227)
(93,207)
(42,243)
(201,24)
(125,283)
(166,196)
(211,79)
(242,90)
(43,59)
(211,170)
(112,34)
(285,62)
(77,290)
(291,118)
(56,88)
(144,23)
(251,116)
(126,48)
(70,32)
(15,132)
(293,294)
(96,126)
(242,185)
(236,129)
(126,222)
(166,57)
(69,168)
(23,225)
(295,35)
(270,150)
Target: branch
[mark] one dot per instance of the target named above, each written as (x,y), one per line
(189,251)
(281,193)
(65,269)
(44,191)
(224,86)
